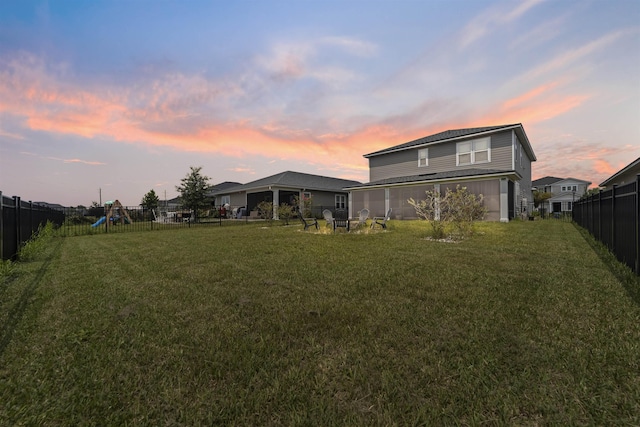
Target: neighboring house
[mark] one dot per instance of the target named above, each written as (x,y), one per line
(215,189)
(564,192)
(623,176)
(493,161)
(54,206)
(284,187)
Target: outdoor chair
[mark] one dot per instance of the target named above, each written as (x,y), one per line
(381,220)
(362,217)
(328,216)
(341,220)
(308,222)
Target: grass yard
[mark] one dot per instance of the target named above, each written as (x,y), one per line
(526,323)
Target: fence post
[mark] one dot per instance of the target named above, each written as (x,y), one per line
(600,215)
(16,200)
(638,224)
(31,217)
(1,227)
(613,218)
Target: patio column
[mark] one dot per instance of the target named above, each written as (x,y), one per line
(504,200)
(276,202)
(436,214)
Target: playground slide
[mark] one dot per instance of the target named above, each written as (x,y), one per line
(100,221)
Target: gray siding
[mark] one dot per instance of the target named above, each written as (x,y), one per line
(325,200)
(522,163)
(442,158)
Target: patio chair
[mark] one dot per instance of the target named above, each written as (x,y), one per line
(308,222)
(328,216)
(381,220)
(363,216)
(341,220)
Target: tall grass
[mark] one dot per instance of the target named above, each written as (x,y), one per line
(524,324)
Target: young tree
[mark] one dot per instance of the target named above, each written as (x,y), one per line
(265,211)
(193,190)
(539,198)
(458,208)
(150,200)
(285,212)
(305,204)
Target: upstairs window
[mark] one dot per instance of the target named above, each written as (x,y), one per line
(472,152)
(423,157)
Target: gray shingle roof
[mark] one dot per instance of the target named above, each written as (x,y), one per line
(442,136)
(436,177)
(547,180)
(297,180)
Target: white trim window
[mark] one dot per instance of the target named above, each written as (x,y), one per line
(341,201)
(474,151)
(423,157)
(225,200)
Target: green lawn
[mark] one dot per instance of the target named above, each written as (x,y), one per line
(526,323)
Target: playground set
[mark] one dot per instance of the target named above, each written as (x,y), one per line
(115,212)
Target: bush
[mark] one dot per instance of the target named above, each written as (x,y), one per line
(457,208)
(265,210)
(285,212)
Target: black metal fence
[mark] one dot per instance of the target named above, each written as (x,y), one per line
(613,217)
(19,220)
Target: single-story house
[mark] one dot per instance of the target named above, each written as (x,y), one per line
(285,187)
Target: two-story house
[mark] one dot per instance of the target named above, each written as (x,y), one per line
(493,161)
(564,192)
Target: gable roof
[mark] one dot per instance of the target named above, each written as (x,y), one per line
(630,167)
(225,185)
(574,180)
(454,134)
(547,180)
(300,180)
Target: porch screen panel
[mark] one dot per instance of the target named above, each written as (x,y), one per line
(490,189)
(398,197)
(357,201)
(374,201)
(371,199)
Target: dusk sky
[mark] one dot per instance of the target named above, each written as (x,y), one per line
(125,96)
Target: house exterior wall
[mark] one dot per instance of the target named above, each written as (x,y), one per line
(238,199)
(441,158)
(522,164)
(566,186)
(622,178)
(325,199)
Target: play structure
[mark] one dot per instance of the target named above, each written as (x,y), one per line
(115,212)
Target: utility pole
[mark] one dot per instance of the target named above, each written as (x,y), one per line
(100,193)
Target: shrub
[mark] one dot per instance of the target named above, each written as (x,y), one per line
(285,212)
(457,208)
(265,210)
